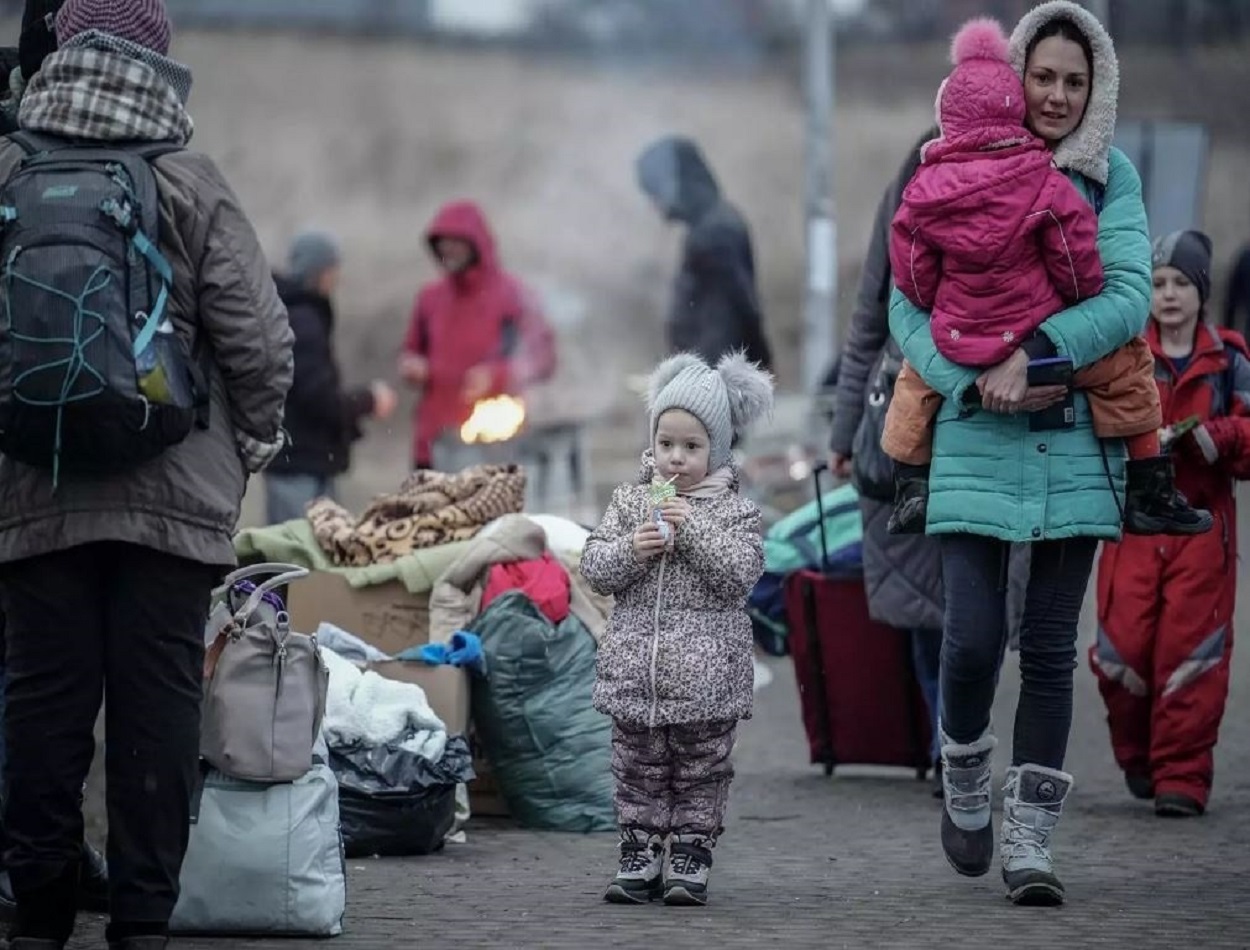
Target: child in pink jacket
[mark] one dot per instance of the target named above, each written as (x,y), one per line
(993,239)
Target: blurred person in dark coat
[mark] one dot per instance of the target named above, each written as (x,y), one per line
(902,573)
(1237,296)
(716,307)
(322,418)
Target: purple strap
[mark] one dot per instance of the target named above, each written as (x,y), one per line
(246,588)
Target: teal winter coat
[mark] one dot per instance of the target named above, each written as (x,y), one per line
(991,476)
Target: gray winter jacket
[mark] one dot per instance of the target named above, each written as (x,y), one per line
(186,501)
(902,573)
(678,646)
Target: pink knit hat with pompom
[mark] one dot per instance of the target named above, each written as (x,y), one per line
(982,90)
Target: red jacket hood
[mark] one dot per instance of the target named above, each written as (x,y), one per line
(975,201)
(465,220)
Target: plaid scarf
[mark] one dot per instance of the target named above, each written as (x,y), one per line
(86,92)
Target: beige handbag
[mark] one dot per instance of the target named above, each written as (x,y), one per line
(264,685)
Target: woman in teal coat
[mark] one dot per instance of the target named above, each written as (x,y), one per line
(993,481)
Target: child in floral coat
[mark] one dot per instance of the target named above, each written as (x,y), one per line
(680,550)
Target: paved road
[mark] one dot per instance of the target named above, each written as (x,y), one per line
(850,862)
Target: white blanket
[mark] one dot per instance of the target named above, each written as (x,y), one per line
(363,707)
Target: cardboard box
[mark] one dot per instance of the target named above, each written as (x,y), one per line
(386,615)
(446,689)
(485,798)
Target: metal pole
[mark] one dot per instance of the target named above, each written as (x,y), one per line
(822,246)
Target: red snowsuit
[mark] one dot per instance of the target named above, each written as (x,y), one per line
(1165,604)
(460,322)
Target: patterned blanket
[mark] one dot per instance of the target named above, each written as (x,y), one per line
(430,508)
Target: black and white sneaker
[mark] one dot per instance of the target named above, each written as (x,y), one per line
(686,869)
(639,878)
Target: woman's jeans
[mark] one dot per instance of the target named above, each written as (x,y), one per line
(288,496)
(926,654)
(975,578)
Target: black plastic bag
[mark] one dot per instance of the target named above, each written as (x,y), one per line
(393,802)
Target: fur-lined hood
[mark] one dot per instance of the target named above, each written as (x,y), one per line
(1085,150)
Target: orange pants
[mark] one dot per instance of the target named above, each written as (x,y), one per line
(1123,399)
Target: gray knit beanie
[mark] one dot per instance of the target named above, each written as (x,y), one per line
(725,400)
(311,255)
(1190,253)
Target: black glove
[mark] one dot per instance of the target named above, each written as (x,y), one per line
(38,37)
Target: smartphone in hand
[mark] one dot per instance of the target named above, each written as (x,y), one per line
(1053,371)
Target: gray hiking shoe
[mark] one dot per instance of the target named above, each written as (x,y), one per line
(686,870)
(1034,801)
(638,878)
(967,835)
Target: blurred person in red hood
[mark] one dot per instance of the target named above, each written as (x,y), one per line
(475,332)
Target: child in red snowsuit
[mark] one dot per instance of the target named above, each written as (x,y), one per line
(1165,606)
(993,239)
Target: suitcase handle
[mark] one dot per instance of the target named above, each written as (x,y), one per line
(817,470)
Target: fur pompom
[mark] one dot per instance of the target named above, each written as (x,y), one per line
(666,372)
(750,389)
(982,38)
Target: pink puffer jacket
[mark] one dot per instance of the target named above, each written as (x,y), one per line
(990,237)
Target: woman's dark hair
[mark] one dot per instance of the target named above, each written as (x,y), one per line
(1068,30)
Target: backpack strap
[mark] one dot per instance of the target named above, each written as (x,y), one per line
(35,143)
(152,254)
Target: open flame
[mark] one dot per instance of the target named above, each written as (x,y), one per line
(496,419)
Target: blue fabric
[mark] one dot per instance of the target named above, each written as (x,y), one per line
(464,649)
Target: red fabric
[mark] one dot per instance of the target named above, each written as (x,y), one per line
(544,581)
(457,324)
(1165,605)
(1144,445)
(992,241)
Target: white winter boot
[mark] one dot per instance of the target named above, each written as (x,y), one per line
(1034,801)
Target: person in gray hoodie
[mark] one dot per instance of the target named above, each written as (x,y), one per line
(715,308)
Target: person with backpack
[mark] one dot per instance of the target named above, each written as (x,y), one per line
(902,573)
(1165,605)
(18,64)
(323,418)
(475,333)
(143,369)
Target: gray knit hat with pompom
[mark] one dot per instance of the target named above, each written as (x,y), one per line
(726,399)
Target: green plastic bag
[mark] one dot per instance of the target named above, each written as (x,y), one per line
(550,751)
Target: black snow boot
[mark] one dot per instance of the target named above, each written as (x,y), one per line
(911,500)
(1152,505)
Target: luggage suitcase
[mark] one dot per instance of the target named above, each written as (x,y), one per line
(860,701)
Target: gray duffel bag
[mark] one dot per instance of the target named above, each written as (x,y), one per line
(265,859)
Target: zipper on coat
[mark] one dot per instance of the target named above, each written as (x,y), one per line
(655,641)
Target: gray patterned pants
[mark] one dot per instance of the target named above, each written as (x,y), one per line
(673,779)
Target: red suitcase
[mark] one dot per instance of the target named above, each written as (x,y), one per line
(860,701)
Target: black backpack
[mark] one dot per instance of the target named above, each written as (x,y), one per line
(94,379)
